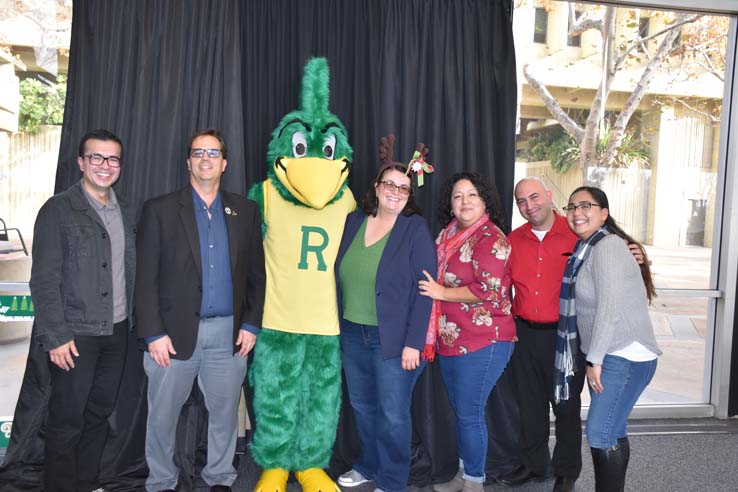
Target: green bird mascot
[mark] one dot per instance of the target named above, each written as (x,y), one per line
(296,371)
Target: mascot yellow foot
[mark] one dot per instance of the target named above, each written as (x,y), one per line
(316,480)
(272,480)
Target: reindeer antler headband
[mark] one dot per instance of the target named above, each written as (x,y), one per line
(417,164)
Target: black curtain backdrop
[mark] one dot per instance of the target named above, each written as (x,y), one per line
(154,71)
(434,71)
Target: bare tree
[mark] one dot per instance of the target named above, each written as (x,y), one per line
(613,58)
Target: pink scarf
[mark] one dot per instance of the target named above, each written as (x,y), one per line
(449,242)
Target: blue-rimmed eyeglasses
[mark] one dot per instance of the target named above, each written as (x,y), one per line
(199,153)
(392,188)
(581,205)
(98,159)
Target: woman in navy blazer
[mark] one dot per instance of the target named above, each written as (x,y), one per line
(385,248)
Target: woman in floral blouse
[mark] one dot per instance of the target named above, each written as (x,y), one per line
(471,326)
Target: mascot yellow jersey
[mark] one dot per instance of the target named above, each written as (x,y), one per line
(300,246)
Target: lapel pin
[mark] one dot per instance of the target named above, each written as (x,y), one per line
(228,210)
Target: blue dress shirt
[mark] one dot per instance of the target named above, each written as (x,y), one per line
(215,258)
(217,284)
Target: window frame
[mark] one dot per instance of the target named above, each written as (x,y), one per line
(721,315)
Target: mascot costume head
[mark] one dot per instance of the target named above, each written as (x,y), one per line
(296,371)
(309,155)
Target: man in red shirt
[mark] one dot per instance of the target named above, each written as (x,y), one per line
(540,250)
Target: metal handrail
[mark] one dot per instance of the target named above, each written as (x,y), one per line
(14,287)
(4,234)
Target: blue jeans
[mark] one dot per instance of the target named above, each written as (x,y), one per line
(469,380)
(380,392)
(623,382)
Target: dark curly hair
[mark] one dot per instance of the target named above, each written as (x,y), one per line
(487,192)
(370,202)
(600,198)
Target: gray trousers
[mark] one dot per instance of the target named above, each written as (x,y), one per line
(220,375)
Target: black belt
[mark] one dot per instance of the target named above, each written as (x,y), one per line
(539,326)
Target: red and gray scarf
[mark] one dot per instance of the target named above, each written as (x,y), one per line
(448,243)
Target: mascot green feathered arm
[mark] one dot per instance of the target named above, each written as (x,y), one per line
(296,372)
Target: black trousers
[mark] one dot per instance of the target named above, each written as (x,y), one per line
(81,401)
(532,367)
(503,427)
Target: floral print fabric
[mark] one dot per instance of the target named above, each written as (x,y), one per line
(481,264)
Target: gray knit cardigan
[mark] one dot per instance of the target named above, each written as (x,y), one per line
(611,303)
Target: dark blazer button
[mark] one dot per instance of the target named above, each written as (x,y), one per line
(104,294)
(104,235)
(378,293)
(197,313)
(105,264)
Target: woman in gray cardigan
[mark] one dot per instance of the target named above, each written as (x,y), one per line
(610,310)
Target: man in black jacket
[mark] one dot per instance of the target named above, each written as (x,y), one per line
(82,284)
(199,302)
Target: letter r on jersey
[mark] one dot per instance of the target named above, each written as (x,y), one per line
(317,249)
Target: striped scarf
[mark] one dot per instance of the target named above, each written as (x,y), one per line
(567,339)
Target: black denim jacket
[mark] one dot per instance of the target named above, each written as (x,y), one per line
(71,276)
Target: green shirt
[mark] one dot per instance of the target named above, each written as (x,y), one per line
(358,274)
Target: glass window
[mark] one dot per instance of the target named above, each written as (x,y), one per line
(654,150)
(576,40)
(540,27)
(681,329)
(643,26)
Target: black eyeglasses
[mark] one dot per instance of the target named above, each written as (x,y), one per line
(199,153)
(581,205)
(392,187)
(98,159)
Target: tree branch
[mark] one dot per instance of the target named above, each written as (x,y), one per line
(618,129)
(571,126)
(710,67)
(674,100)
(636,43)
(588,155)
(585,25)
(578,26)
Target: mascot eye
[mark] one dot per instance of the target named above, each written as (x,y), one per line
(329,147)
(299,145)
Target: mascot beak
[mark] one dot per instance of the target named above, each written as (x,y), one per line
(312,180)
